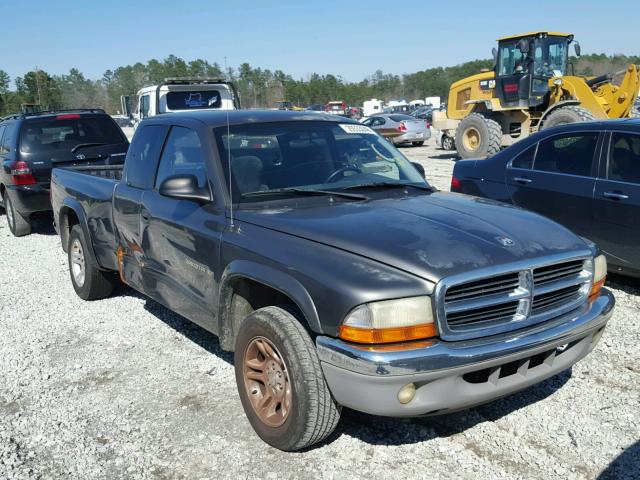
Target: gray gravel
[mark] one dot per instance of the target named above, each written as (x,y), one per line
(123,388)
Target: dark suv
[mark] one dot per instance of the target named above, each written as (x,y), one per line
(32,144)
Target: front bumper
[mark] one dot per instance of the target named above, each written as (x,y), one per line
(451,376)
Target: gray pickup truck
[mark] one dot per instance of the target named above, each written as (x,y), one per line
(320,255)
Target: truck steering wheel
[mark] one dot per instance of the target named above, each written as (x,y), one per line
(334,176)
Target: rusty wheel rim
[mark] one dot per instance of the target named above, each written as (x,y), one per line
(266,380)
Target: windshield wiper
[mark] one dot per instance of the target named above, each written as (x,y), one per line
(84,145)
(305,192)
(424,187)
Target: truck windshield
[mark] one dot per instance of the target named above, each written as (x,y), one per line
(53,135)
(550,57)
(193,100)
(547,58)
(309,155)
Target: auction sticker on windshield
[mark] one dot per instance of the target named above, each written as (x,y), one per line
(351,128)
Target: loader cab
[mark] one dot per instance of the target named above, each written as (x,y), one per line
(524,65)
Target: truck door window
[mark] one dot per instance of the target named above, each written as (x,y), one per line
(624,158)
(570,154)
(143,154)
(182,155)
(144,106)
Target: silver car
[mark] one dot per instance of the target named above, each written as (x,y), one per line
(399,128)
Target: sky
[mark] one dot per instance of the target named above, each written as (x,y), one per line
(352,39)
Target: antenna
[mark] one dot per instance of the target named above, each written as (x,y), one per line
(229,156)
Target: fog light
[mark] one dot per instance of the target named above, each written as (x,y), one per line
(406,393)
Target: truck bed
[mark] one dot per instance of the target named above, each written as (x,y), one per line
(91,189)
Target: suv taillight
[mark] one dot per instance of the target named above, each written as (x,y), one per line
(455,184)
(402,127)
(21,174)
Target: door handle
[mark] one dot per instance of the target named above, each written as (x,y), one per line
(615,196)
(523,180)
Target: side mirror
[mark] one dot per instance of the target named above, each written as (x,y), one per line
(184,187)
(576,47)
(523,45)
(494,52)
(419,168)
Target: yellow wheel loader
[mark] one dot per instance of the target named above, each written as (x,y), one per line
(529,89)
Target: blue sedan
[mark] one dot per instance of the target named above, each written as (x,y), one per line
(583,175)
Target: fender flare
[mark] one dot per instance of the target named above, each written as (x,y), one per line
(486,103)
(73,205)
(271,277)
(554,107)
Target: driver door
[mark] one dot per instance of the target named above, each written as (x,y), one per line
(181,238)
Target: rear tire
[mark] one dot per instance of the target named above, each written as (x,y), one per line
(18,224)
(478,137)
(448,143)
(297,407)
(89,282)
(417,144)
(566,115)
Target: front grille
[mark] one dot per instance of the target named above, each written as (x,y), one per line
(550,300)
(494,285)
(551,273)
(472,307)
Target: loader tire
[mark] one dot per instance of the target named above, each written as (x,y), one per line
(568,114)
(478,137)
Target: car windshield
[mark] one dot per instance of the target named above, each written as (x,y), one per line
(329,156)
(54,135)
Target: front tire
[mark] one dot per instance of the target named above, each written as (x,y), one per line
(18,224)
(448,143)
(280,381)
(478,137)
(568,114)
(89,282)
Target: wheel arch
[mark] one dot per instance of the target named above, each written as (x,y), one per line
(71,214)
(556,106)
(246,286)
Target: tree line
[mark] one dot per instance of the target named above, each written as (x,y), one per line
(257,87)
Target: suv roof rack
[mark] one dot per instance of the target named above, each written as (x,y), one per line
(52,112)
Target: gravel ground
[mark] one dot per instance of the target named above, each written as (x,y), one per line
(123,388)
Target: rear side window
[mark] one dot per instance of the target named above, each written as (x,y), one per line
(143,154)
(525,159)
(624,158)
(193,100)
(55,135)
(7,139)
(182,155)
(570,154)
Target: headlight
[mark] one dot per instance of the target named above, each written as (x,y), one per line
(390,321)
(599,276)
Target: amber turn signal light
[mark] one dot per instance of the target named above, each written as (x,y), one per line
(595,289)
(387,335)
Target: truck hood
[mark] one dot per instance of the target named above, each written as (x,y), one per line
(431,236)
